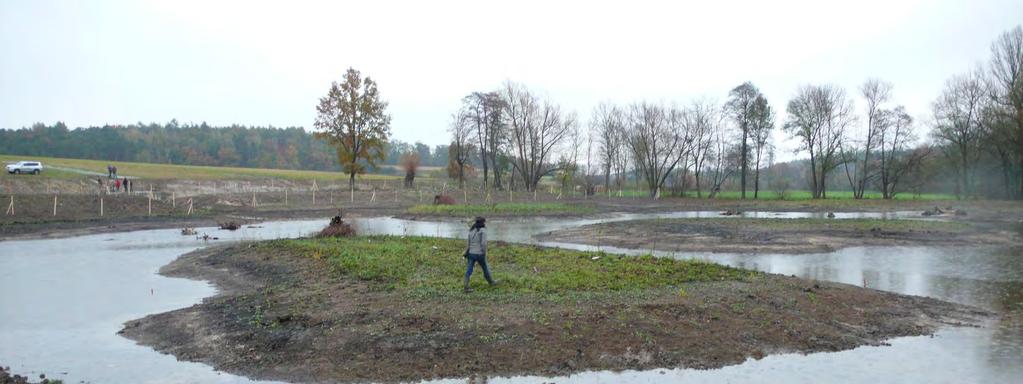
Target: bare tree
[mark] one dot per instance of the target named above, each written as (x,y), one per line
(703,120)
(818,116)
(726,158)
(658,140)
(607,125)
(895,157)
(461,148)
(957,119)
(569,162)
(482,111)
(536,129)
(1006,71)
(762,125)
(741,107)
(875,92)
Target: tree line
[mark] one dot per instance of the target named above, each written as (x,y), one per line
(976,136)
(198,144)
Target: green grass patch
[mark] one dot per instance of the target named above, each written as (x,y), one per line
(172,171)
(468,210)
(808,224)
(428,266)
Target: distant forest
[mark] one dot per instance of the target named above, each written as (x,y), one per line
(197,144)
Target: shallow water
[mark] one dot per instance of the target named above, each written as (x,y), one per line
(62,302)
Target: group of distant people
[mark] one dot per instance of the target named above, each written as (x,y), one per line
(118,184)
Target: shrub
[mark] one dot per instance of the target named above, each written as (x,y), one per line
(443,200)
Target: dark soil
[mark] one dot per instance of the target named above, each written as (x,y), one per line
(6,377)
(284,316)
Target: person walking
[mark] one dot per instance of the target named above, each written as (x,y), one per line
(476,251)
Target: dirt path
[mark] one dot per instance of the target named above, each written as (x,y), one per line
(287,317)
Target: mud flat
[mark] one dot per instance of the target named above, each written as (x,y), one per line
(748,235)
(391,308)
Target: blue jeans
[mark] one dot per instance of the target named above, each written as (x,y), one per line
(472,259)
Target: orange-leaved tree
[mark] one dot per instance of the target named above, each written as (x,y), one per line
(353,118)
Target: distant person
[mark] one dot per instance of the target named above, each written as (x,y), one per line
(110,171)
(114,171)
(126,184)
(476,251)
(117,185)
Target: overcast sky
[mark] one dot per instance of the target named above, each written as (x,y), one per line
(97,62)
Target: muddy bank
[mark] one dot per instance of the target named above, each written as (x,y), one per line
(282,315)
(62,228)
(7,377)
(743,235)
(79,214)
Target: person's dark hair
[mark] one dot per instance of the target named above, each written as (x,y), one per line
(480,222)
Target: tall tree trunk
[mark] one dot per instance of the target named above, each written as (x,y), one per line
(814,191)
(696,174)
(745,162)
(756,183)
(965,177)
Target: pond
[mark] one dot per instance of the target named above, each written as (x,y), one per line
(62,302)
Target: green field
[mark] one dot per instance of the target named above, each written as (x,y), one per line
(425,265)
(468,210)
(77,168)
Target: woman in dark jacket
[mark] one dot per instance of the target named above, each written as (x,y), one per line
(476,251)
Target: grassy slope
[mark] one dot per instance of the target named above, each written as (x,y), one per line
(498,208)
(430,266)
(170,171)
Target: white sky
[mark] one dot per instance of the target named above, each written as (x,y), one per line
(254,63)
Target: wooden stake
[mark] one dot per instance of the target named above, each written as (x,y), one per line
(465,197)
(10,207)
(314,195)
(150,204)
(174,203)
(373,197)
(54,205)
(101,207)
(253,199)
(396,195)
(189,213)
(285,196)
